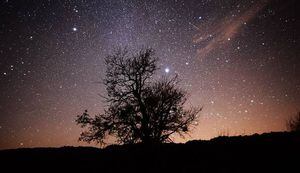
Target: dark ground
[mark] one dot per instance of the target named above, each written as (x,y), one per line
(272,152)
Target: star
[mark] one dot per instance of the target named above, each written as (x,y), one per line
(167,70)
(74,29)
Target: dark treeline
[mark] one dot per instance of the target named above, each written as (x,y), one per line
(257,153)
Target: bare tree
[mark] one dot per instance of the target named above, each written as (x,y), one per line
(293,124)
(140,108)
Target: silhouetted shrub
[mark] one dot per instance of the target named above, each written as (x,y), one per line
(294,123)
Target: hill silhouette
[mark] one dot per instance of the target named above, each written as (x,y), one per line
(269,152)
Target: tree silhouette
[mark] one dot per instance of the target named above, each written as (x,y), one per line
(294,123)
(140,108)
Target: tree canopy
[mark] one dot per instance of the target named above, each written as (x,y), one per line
(139,108)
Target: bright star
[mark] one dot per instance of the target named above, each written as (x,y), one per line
(167,70)
(74,29)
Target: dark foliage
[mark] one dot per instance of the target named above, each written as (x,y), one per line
(271,152)
(294,123)
(140,108)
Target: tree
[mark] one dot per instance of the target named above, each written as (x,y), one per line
(294,123)
(140,108)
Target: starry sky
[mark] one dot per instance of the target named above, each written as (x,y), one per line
(239,59)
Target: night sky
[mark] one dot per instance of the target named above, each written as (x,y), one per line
(238,59)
